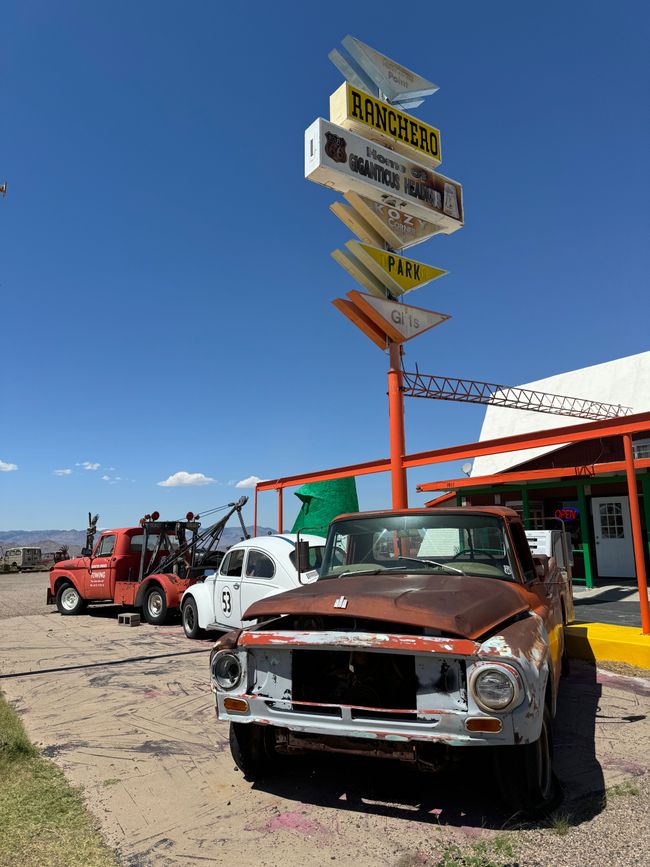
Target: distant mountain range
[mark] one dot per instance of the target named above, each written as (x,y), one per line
(50,540)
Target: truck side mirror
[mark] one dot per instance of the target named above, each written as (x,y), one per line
(86,552)
(302,557)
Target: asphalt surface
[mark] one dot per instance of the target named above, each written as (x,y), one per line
(618,605)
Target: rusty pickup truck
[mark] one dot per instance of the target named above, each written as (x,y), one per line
(429,630)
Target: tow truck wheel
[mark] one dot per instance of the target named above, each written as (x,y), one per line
(253,749)
(155,606)
(68,600)
(190,617)
(525,773)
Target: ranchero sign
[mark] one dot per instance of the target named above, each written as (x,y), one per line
(343,161)
(353,109)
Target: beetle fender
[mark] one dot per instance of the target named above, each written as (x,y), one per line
(525,644)
(201,593)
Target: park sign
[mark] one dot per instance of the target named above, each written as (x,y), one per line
(343,161)
(398,274)
(380,317)
(355,110)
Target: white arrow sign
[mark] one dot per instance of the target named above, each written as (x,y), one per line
(400,322)
(365,67)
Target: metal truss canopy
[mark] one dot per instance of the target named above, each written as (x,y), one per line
(492,394)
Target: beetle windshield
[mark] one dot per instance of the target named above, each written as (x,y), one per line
(472,544)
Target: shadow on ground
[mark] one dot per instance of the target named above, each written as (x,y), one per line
(465,793)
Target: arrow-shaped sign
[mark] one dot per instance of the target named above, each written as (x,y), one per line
(360,273)
(400,322)
(397,228)
(382,320)
(397,274)
(393,79)
(363,322)
(351,218)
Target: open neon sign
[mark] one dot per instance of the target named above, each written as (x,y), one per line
(567,514)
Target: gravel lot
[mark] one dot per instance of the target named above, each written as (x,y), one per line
(23,593)
(128,715)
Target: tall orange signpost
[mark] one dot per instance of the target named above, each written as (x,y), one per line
(383,161)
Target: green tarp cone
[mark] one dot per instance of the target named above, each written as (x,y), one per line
(322,502)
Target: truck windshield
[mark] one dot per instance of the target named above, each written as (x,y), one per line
(472,544)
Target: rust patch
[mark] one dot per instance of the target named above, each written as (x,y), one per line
(374,640)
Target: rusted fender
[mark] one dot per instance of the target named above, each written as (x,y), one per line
(526,644)
(372,640)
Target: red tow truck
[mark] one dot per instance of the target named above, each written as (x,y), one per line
(147,567)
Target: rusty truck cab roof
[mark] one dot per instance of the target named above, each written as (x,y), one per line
(497,511)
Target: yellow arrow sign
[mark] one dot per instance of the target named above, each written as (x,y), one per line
(398,274)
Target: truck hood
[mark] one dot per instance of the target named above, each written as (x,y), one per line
(455,605)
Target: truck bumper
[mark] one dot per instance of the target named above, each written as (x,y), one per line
(437,727)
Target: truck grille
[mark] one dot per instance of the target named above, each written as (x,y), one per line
(371,681)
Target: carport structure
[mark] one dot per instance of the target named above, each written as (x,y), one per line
(625,427)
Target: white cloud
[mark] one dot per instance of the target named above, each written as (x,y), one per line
(88,465)
(106,478)
(250,482)
(7,468)
(184,479)
(66,472)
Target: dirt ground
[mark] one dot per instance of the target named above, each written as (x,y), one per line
(23,593)
(127,713)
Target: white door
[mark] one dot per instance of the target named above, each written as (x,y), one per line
(613,534)
(227,589)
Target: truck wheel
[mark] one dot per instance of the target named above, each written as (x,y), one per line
(155,606)
(68,600)
(190,617)
(253,749)
(525,773)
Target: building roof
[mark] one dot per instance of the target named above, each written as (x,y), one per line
(623,381)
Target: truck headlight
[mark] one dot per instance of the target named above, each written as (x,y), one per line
(227,670)
(495,687)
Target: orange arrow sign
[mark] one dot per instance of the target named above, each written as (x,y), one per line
(359,318)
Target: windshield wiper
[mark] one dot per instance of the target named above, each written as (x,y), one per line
(433,563)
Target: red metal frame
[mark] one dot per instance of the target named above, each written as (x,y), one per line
(625,427)
(637,534)
(531,476)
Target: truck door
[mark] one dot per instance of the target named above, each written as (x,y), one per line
(262,578)
(227,589)
(99,584)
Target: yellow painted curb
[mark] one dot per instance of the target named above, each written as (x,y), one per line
(595,641)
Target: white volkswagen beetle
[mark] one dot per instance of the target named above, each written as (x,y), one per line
(250,570)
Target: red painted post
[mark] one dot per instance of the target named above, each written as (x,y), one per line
(637,534)
(279,510)
(255,513)
(396,425)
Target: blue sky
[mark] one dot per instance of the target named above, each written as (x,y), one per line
(165,276)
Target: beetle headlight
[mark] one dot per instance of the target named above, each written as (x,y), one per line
(227,670)
(495,687)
